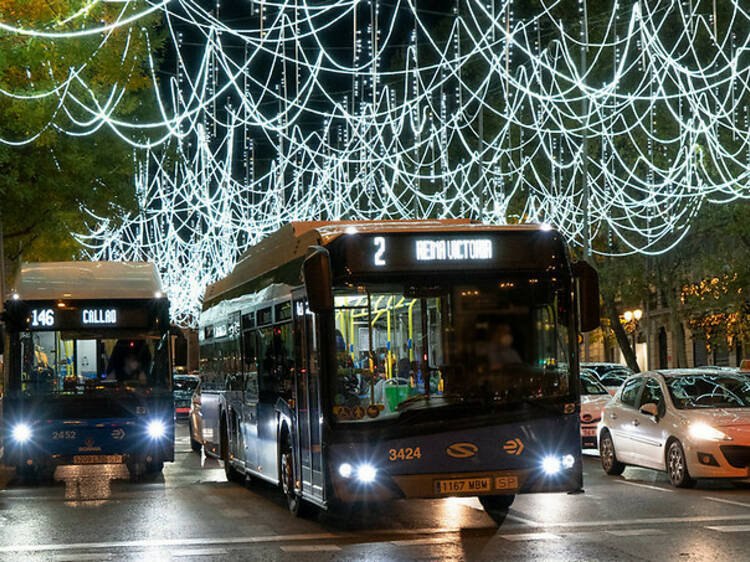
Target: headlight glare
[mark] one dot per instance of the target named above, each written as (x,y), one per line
(551,465)
(21,433)
(345,470)
(701,430)
(366,473)
(156,429)
(568,461)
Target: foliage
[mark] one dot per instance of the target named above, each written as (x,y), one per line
(46,184)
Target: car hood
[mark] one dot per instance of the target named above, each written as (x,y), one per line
(722,417)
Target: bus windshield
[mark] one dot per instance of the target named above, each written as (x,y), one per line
(482,344)
(77,362)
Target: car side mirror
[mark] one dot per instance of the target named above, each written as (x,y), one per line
(587,281)
(650,409)
(316,272)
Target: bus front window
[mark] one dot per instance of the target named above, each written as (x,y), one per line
(78,362)
(485,344)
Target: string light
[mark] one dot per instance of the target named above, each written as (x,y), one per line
(667,128)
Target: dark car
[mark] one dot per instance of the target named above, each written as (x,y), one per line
(184,386)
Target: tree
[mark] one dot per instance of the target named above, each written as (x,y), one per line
(46,184)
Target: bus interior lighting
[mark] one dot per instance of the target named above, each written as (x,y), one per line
(156,429)
(21,433)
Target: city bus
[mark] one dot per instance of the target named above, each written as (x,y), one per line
(370,361)
(87,371)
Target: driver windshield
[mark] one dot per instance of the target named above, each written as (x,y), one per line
(710,390)
(486,343)
(81,362)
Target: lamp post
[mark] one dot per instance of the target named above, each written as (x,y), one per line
(633,316)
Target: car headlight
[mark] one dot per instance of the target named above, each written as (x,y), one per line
(156,429)
(704,431)
(21,433)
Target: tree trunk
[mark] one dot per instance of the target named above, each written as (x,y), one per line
(622,337)
(678,338)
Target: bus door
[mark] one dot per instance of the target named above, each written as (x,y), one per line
(307,383)
(249,423)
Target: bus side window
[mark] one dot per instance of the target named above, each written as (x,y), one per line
(250,367)
(266,360)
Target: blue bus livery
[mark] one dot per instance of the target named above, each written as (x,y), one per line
(367,361)
(87,373)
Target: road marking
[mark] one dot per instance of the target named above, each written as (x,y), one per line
(166,542)
(730,528)
(75,557)
(198,552)
(531,537)
(310,548)
(636,532)
(644,486)
(730,502)
(647,521)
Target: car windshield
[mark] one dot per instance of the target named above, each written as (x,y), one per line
(482,344)
(590,385)
(82,362)
(182,383)
(710,390)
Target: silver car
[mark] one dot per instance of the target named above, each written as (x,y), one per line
(691,423)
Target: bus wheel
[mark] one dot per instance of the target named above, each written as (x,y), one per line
(497,506)
(288,481)
(194,445)
(232,474)
(154,467)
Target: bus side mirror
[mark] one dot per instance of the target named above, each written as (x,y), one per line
(587,280)
(316,272)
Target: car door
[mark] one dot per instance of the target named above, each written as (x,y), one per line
(648,432)
(619,419)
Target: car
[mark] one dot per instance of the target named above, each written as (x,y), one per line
(690,423)
(195,420)
(183,387)
(611,375)
(593,399)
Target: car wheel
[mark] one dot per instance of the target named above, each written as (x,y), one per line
(677,466)
(610,464)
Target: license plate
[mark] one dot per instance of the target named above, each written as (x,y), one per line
(97,459)
(506,482)
(463,485)
(588,432)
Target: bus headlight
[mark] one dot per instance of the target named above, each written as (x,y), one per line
(21,433)
(552,465)
(156,429)
(366,473)
(345,470)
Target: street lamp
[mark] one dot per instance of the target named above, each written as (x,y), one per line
(633,316)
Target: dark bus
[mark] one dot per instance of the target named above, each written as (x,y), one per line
(87,372)
(369,361)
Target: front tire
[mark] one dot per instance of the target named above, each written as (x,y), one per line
(497,506)
(607,454)
(677,469)
(232,474)
(294,501)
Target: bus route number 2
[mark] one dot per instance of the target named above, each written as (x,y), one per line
(404,454)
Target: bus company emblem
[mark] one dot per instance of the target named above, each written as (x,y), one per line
(461,450)
(513,446)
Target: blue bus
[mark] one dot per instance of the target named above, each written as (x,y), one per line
(369,361)
(87,374)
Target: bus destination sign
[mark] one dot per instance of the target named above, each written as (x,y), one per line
(69,316)
(99,316)
(453,250)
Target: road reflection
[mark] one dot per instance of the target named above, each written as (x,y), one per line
(90,483)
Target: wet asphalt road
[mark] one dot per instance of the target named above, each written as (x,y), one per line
(192,513)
